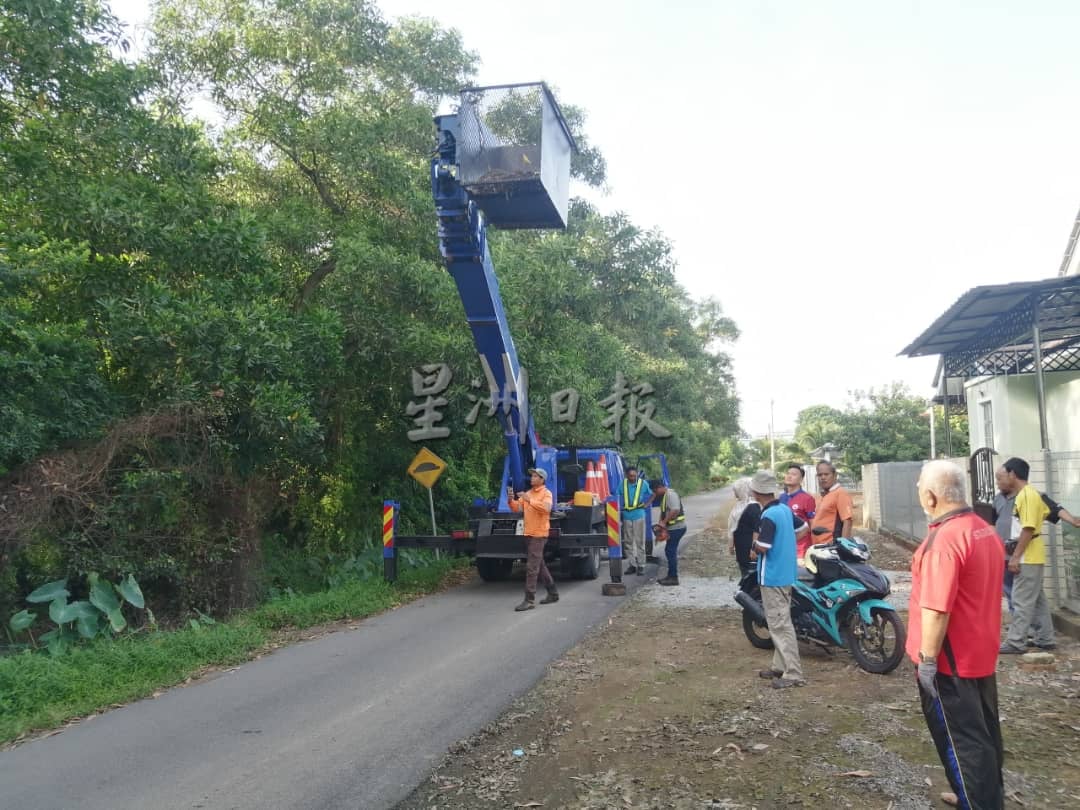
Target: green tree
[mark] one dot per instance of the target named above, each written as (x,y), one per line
(816,426)
(210,330)
(884,425)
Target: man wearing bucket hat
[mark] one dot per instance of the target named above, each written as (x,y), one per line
(535,506)
(777,567)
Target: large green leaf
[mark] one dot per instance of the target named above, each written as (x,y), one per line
(130,590)
(117,620)
(50,591)
(89,626)
(57,609)
(21,620)
(79,610)
(103,596)
(57,640)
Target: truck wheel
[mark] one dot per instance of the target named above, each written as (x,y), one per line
(494,569)
(587,567)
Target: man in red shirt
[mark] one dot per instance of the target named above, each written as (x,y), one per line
(802,505)
(954,620)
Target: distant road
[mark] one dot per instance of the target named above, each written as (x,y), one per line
(355,719)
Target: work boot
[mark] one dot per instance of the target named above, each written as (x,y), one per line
(551,598)
(769,674)
(669,581)
(786,683)
(630,570)
(526,604)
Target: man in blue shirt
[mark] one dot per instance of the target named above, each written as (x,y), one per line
(634,498)
(774,546)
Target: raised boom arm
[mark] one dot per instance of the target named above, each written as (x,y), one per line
(463,245)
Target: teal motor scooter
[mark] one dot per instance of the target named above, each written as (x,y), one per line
(838,601)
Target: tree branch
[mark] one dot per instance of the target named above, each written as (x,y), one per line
(312,282)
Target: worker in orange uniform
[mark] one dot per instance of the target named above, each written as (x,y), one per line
(535,506)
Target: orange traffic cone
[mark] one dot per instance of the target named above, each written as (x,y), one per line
(605,489)
(592,479)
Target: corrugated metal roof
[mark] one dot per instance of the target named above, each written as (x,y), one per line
(992,316)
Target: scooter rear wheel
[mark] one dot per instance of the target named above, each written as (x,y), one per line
(877,647)
(756,632)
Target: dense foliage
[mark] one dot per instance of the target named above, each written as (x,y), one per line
(875,426)
(208,330)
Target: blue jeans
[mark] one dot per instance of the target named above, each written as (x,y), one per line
(672,550)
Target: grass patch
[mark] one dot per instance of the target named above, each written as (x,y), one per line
(38,691)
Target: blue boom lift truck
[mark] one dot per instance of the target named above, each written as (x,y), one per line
(504,160)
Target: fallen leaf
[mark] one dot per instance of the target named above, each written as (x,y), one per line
(860,774)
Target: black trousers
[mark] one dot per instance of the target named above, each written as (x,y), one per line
(963,720)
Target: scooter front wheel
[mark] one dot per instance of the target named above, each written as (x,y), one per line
(877,647)
(757,632)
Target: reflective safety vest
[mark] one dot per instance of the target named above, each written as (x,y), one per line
(627,503)
(679,518)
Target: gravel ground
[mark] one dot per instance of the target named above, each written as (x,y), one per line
(662,708)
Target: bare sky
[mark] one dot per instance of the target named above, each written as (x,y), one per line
(837,173)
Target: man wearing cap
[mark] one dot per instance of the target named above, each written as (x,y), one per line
(774,545)
(535,506)
(636,498)
(673,522)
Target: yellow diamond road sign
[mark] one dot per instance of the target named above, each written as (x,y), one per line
(426,467)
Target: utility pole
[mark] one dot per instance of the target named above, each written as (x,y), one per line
(933,436)
(772,439)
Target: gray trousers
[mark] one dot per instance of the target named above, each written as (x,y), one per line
(633,536)
(1031,611)
(777,604)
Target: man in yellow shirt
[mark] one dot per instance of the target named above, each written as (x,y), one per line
(535,507)
(1031,611)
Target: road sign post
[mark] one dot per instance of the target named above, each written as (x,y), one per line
(426,468)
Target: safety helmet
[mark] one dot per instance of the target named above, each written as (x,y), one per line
(819,551)
(853,550)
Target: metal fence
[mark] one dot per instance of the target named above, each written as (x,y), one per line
(891,503)
(1058,475)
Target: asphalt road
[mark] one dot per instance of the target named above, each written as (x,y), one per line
(355,719)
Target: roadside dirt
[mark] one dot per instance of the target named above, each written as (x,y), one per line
(662,708)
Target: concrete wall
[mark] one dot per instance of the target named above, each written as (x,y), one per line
(890,500)
(1016,416)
